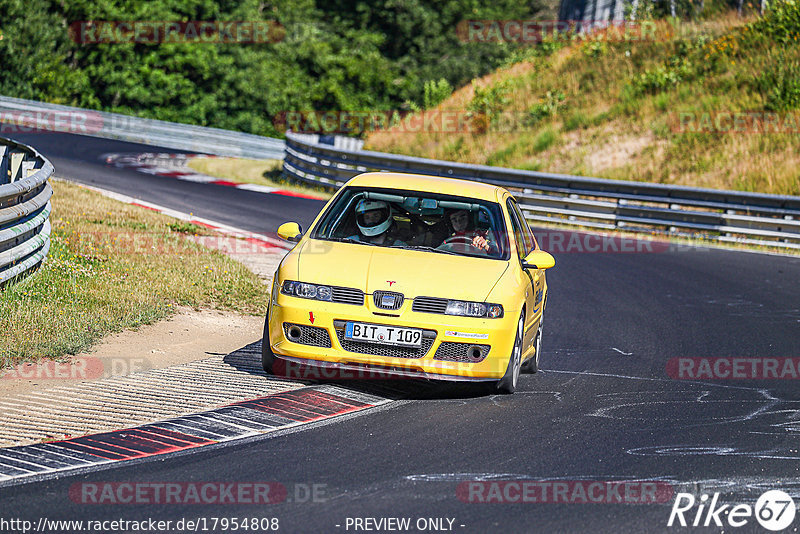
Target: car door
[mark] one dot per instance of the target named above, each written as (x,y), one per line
(524,243)
(540,283)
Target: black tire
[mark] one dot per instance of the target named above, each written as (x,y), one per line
(508,384)
(531,365)
(267,356)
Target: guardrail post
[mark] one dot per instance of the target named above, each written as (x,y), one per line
(4,177)
(16,163)
(27,168)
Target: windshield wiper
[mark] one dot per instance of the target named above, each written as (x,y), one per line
(429,249)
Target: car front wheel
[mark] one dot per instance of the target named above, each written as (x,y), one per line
(508,384)
(267,356)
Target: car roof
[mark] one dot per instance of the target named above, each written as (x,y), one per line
(430,184)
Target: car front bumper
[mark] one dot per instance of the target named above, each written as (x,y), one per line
(321,340)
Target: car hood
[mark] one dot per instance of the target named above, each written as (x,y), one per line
(411,272)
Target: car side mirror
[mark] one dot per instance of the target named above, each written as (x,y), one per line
(538,259)
(290,231)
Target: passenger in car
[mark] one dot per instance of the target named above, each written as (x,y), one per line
(463,232)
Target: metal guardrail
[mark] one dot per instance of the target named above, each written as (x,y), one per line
(21,115)
(728,216)
(24,209)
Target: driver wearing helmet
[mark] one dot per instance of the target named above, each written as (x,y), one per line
(461,223)
(374,220)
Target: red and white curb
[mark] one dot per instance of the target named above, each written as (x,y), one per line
(236,421)
(262,240)
(175,166)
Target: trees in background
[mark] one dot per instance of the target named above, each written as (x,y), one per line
(335,55)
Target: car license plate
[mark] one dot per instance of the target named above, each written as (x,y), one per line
(387,335)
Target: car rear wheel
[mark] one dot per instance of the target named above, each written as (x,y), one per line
(267,356)
(508,384)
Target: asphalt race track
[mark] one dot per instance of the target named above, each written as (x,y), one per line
(78,158)
(605,406)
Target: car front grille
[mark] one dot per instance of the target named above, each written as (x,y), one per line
(378,349)
(461,352)
(395,298)
(429,305)
(347,295)
(309,335)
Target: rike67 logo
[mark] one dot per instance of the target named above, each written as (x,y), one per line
(774,510)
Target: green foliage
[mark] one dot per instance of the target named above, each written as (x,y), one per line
(455,149)
(36,56)
(662,77)
(595,48)
(544,140)
(184,227)
(774,69)
(421,37)
(547,106)
(679,66)
(348,55)
(781,84)
(577,120)
(781,22)
(502,156)
(436,92)
(487,104)
(490,100)
(528,53)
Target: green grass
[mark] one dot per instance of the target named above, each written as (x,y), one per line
(544,140)
(113,266)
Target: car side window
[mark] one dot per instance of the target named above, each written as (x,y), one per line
(527,236)
(522,249)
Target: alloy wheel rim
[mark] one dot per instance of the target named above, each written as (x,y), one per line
(517,354)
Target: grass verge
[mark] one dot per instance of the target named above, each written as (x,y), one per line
(658,110)
(114,266)
(253,171)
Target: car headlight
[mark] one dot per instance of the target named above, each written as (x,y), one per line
(306,291)
(474,309)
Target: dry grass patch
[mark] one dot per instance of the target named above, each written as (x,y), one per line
(610,109)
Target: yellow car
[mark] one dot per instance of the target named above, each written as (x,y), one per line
(411,276)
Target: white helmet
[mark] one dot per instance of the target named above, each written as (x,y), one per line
(365,205)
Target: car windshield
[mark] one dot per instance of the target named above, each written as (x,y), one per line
(431,222)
